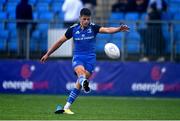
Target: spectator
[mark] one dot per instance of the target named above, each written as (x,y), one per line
(71,9)
(154,43)
(23,15)
(90,4)
(122,6)
(141,5)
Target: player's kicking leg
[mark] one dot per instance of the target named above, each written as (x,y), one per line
(81,82)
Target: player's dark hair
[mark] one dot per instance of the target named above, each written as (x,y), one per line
(85,12)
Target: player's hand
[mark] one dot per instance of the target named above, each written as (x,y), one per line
(44,58)
(124,28)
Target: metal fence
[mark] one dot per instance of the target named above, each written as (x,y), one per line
(153,40)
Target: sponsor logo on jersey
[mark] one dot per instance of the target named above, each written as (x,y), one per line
(77,32)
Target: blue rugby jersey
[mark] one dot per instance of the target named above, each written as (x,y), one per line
(84,39)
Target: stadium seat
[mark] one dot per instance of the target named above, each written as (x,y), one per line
(101,40)
(166,35)
(33,2)
(115,18)
(177,47)
(61,16)
(42,7)
(34,41)
(14,1)
(133,42)
(106,37)
(177,1)
(100,45)
(1,26)
(117,39)
(13,34)
(177,25)
(43,47)
(35,15)
(58,1)
(43,42)
(166,16)
(11,26)
(11,7)
(2,1)
(38,41)
(142,24)
(1,7)
(45,1)
(12,16)
(56,7)
(12,43)
(177,37)
(165,31)
(176,16)
(3,39)
(177,43)
(3,15)
(3,44)
(174,6)
(174,3)
(43,27)
(4,34)
(174,10)
(117,35)
(48,16)
(132,17)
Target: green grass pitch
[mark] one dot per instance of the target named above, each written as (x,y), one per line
(42,107)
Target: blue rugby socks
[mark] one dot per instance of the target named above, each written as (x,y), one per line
(81,80)
(84,83)
(72,96)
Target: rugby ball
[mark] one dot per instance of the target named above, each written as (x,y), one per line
(112,51)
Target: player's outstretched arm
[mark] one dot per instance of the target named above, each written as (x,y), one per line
(53,48)
(121,28)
